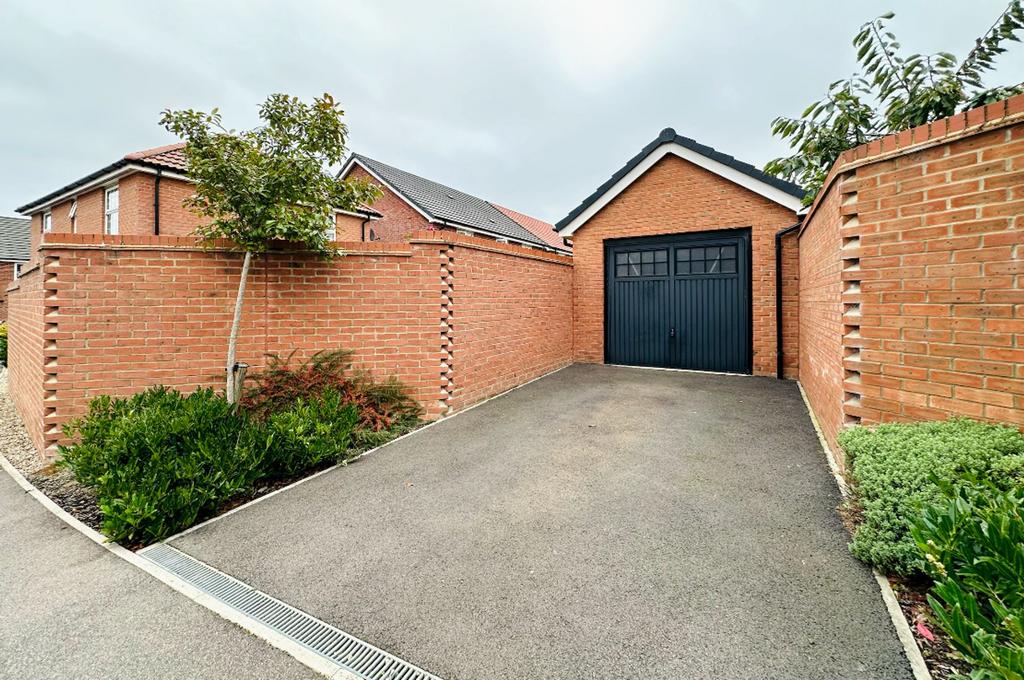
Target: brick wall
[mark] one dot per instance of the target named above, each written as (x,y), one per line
(821,315)
(790,306)
(933,238)
(676,196)
(127,312)
(511,320)
(25,351)
(6,278)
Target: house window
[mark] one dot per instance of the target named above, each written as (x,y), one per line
(71,216)
(17,270)
(110,224)
(373,235)
(47,222)
(331,232)
(638,263)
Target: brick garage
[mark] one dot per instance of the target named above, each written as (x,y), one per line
(113,315)
(911,305)
(675,186)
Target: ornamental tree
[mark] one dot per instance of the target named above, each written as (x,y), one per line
(270,183)
(892,92)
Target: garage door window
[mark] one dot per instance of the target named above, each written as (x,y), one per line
(637,263)
(706,260)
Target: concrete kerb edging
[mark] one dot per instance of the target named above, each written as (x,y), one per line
(892,605)
(299,652)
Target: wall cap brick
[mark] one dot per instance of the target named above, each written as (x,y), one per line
(452,238)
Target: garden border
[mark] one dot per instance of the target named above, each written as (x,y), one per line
(913,653)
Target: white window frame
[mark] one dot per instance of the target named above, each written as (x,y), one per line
(72,215)
(331,232)
(17,270)
(107,212)
(47,222)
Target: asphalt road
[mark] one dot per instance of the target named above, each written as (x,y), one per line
(601,522)
(71,609)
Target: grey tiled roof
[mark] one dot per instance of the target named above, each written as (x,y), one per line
(14,239)
(450,205)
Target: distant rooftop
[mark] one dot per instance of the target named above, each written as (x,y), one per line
(444,204)
(14,239)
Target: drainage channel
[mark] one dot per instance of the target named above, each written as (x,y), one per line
(337,646)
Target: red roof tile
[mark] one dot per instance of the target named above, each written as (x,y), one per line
(539,228)
(171,156)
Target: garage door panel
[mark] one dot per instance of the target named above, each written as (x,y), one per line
(679,301)
(637,317)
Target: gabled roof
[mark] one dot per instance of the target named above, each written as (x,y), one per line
(780,191)
(544,230)
(444,205)
(170,157)
(14,239)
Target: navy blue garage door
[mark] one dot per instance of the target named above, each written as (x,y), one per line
(680,301)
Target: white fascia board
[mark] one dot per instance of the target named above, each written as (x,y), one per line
(353,161)
(736,177)
(105,180)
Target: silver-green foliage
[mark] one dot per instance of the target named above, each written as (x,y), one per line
(896,470)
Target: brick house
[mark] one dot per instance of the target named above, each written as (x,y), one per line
(141,194)
(675,261)
(14,253)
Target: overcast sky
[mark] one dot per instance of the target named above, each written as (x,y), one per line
(529,103)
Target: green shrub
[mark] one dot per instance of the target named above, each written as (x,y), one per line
(3,344)
(160,461)
(974,544)
(381,406)
(311,432)
(893,468)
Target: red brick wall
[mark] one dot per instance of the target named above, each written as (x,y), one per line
(400,219)
(790,306)
(821,316)
(511,321)
(676,196)
(934,238)
(129,312)
(25,351)
(6,279)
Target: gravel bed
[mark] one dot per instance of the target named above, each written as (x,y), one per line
(58,484)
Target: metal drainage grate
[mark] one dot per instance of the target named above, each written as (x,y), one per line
(351,653)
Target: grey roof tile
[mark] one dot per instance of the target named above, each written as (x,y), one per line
(14,239)
(441,202)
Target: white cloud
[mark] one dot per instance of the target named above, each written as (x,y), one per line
(597,42)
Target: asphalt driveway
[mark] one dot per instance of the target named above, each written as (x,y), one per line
(599,523)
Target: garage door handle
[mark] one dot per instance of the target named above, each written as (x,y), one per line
(672,332)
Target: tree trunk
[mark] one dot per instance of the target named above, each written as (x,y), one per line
(229,390)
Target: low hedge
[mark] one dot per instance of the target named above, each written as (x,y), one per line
(161,461)
(973,541)
(895,470)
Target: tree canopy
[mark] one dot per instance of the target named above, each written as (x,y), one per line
(889,93)
(269,183)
